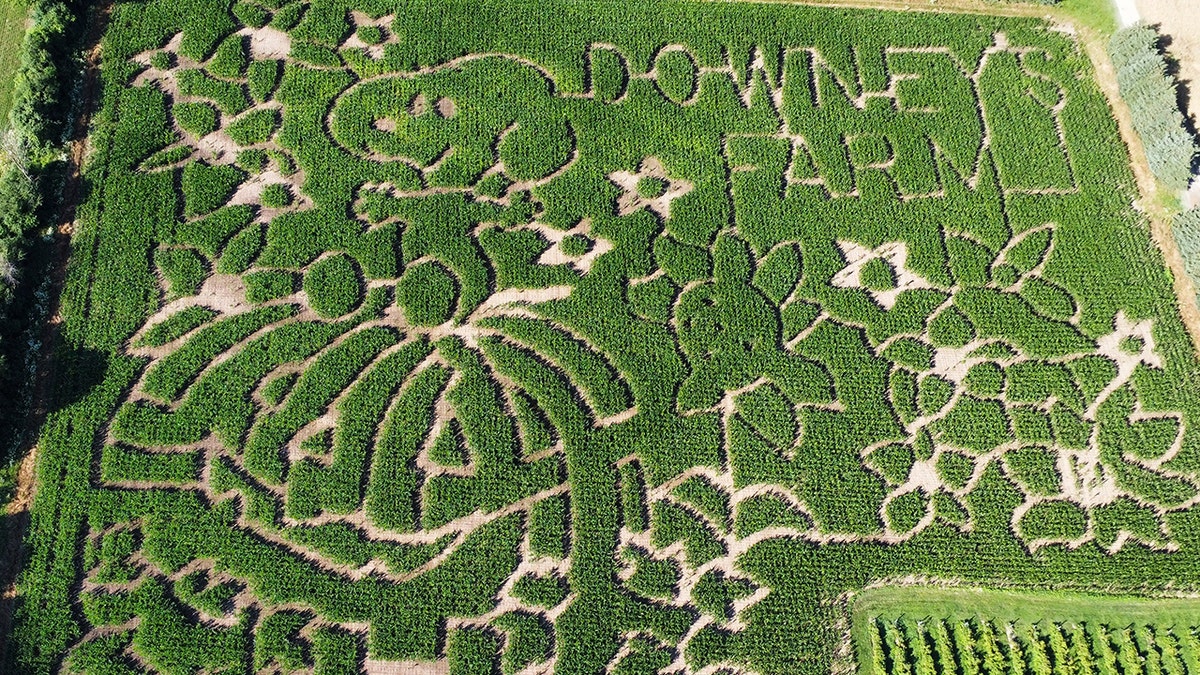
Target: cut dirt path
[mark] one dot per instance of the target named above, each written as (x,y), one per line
(16,513)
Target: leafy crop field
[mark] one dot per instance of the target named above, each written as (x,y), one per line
(969,631)
(477,335)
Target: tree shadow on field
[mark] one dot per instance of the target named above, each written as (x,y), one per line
(78,372)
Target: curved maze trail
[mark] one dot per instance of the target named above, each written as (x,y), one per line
(495,354)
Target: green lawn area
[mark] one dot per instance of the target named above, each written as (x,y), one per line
(1095,14)
(953,603)
(12,31)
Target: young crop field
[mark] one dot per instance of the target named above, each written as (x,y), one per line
(973,632)
(625,336)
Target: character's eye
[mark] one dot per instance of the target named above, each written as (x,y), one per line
(445,108)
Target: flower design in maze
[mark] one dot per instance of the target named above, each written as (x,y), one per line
(1003,374)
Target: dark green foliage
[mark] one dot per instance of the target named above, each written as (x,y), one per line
(212,232)
(167,157)
(177,325)
(778,273)
(256,126)
(670,523)
(447,448)
(877,275)
(933,393)
(949,509)
(547,591)
(252,161)
(275,640)
(472,651)
(681,262)
(653,299)
(645,656)
(985,379)
(1069,429)
(770,413)
(288,15)
(633,507)
(651,577)
(1035,468)
(1145,84)
(335,652)
(213,599)
(528,641)
(706,498)
(1053,520)
(536,432)
(251,14)
(372,473)
(428,294)
(123,464)
(955,469)
(906,510)
(1031,425)
(714,594)
(241,251)
(230,59)
(950,329)
(277,388)
(893,462)
(183,269)
(276,196)
(575,245)
(651,188)
(910,354)
(228,96)
(1132,344)
(548,527)
(333,286)
(267,285)
(974,424)
(763,511)
(207,187)
(162,60)
(198,119)
(371,35)
(261,78)
(1092,374)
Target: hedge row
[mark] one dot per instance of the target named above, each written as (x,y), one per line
(1151,93)
(32,170)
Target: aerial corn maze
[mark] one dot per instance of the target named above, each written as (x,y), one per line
(479,336)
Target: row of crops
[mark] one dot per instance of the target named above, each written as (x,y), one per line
(980,646)
(395,334)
